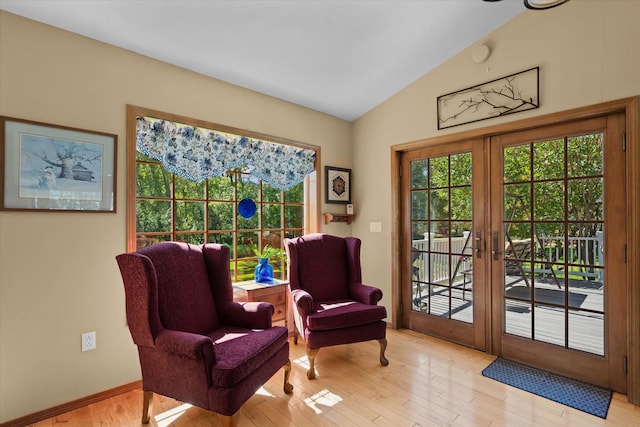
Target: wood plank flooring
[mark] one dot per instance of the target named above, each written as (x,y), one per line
(428,382)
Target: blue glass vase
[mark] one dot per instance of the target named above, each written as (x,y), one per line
(263,271)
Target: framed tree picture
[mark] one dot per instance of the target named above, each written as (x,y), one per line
(506,95)
(338,185)
(56,168)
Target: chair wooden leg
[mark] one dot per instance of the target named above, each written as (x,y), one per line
(229,420)
(288,388)
(147,406)
(311,355)
(295,335)
(383,348)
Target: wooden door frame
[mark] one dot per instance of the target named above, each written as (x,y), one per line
(631,108)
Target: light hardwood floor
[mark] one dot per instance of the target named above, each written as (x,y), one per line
(428,382)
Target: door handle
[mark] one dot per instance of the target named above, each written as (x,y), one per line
(495,251)
(478,244)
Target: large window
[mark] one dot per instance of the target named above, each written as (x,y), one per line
(169,207)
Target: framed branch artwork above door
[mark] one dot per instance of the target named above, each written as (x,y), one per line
(499,97)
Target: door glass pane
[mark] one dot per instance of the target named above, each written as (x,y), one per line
(419,173)
(517,202)
(461,169)
(461,203)
(584,196)
(585,155)
(441,224)
(517,317)
(439,172)
(548,201)
(548,159)
(553,236)
(517,166)
(549,325)
(589,331)
(419,204)
(439,204)
(551,239)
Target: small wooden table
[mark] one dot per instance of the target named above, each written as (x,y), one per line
(275,293)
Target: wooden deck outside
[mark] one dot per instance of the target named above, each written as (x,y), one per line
(586,328)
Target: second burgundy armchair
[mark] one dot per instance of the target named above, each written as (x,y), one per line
(331,306)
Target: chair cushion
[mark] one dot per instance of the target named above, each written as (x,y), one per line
(240,351)
(344,314)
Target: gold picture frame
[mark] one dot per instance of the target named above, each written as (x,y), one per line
(48,167)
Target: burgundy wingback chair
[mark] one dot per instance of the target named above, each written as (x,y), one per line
(195,343)
(331,306)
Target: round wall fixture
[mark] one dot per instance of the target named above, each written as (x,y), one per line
(543,4)
(480,53)
(246,208)
(538,4)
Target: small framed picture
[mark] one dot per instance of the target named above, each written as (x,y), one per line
(338,185)
(47,167)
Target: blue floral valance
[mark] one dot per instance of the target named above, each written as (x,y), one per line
(197,153)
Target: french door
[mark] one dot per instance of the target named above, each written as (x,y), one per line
(443,217)
(518,246)
(558,240)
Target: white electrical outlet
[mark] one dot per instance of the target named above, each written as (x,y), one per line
(89,341)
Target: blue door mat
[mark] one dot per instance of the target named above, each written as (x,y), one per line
(579,395)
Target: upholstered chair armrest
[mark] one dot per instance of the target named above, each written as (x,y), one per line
(365,294)
(253,315)
(303,300)
(187,344)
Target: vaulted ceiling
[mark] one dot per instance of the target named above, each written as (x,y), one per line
(338,57)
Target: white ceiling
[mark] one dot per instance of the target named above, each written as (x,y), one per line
(338,57)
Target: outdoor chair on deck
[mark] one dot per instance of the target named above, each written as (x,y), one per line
(195,343)
(331,306)
(517,252)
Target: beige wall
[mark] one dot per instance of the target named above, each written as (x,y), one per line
(588,52)
(58,275)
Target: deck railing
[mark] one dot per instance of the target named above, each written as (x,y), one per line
(583,254)
(435,263)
